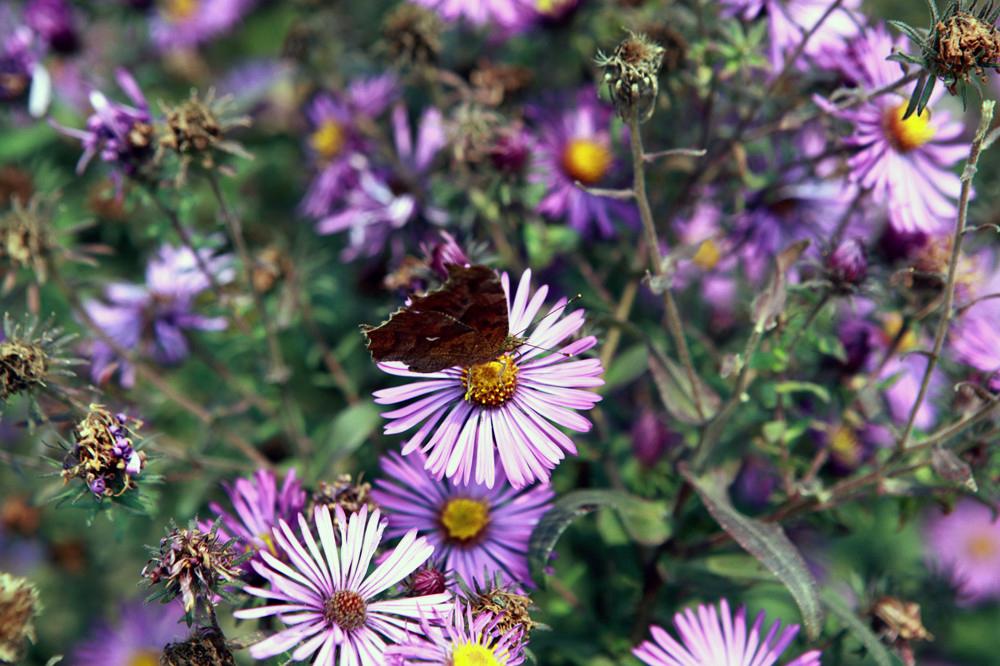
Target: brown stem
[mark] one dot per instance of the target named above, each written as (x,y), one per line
(985,118)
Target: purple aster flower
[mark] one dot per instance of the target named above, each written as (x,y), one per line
(975,337)
(510,406)
(710,636)
(503,13)
(334,137)
(21,72)
(258,505)
(138,638)
(326,599)
(460,639)
(54,21)
(120,134)
(575,146)
(443,253)
(476,531)
(788,21)
(965,546)
(153,317)
(379,201)
(907,164)
(181,24)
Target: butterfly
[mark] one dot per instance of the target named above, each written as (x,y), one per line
(463,323)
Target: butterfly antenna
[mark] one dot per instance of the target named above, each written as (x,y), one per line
(550,313)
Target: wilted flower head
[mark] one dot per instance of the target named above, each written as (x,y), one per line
(631,73)
(412,34)
(344,492)
(120,134)
(460,638)
(194,565)
(197,129)
(715,636)
(505,602)
(30,359)
(103,453)
(962,42)
(205,647)
(19,604)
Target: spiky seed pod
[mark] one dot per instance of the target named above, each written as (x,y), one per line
(193,565)
(32,359)
(962,42)
(19,604)
(103,453)
(631,73)
(197,129)
(205,647)
(411,35)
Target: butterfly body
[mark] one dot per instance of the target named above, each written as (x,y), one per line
(464,323)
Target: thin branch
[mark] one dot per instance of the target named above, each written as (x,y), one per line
(623,194)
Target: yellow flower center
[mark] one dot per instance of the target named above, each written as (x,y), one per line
(144,658)
(844,446)
(465,519)
(328,139)
(981,547)
(549,6)
(269,541)
(491,384)
(586,160)
(473,654)
(180,10)
(906,135)
(708,255)
(891,326)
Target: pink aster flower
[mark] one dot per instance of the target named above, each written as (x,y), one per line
(510,406)
(907,164)
(258,506)
(138,638)
(710,636)
(187,23)
(476,531)
(463,640)
(327,599)
(575,146)
(504,13)
(788,21)
(965,546)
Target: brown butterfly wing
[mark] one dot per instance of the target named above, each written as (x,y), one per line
(462,323)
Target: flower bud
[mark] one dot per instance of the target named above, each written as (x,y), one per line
(428,580)
(650,438)
(847,265)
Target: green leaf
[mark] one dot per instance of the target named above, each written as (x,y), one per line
(861,631)
(675,391)
(644,521)
(626,367)
(348,431)
(767,543)
(803,387)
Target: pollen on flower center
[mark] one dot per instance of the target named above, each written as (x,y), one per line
(586,160)
(179,10)
(346,609)
(982,547)
(909,134)
(844,445)
(708,255)
(474,654)
(465,519)
(269,542)
(890,329)
(328,139)
(144,658)
(491,384)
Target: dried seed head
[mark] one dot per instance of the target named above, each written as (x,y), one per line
(412,35)
(196,130)
(966,45)
(495,82)
(631,73)
(193,565)
(19,604)
(205,647)
(26,240)
(104,453)
(32,359)
(343,492)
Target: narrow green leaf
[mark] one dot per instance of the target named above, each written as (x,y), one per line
(675,390)
(767,543)
(347,432)
(915,97)
(644,521)
(861,631)
(803,387)
(925,98)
